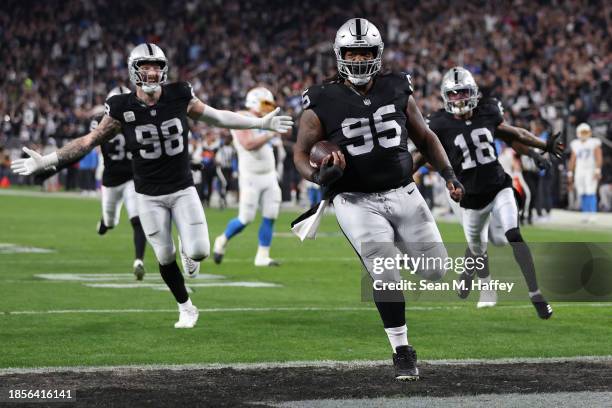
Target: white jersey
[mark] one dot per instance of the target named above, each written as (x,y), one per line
(585,153)
(259,161)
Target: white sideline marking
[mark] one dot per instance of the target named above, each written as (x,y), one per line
(299,364)
(8,248)
(102,277)
(277,309)
(209,310)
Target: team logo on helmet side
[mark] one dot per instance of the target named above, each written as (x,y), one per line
(459,91)
(260,100)
(358,33)
(150,53)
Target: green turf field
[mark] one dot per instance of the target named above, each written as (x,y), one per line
(312,310)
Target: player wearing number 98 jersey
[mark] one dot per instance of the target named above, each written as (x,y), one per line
(370,116)
(154,122)
(466,127)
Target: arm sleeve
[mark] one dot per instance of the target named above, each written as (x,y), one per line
(228,119)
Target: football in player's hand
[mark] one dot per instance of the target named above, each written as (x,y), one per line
(321,150)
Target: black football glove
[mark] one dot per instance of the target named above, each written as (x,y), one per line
(542,162)
(457,191)
(555,147)
(327,175)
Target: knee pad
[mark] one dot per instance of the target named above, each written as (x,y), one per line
(514,235)
(200,250)
(165,255)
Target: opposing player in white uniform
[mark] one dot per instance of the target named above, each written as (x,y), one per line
(118,189)
(154,122)
(257,179)
(585,169)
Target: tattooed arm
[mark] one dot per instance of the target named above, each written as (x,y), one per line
(310,132)
(74,150)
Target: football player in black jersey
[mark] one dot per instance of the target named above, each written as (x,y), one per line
(118,188)
(466,127)
(370,116)
(154,122)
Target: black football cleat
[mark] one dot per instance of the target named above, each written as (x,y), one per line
(404,362)
(101,228)
(465,284)
(542,307)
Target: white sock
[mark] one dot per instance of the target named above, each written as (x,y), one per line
(485,280)
(222,239)
(185,306)
(263,252)
(398,336)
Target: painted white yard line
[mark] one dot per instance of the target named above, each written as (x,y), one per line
(279,309)
(163,286)
(10,248)
(296,364)
(105,277)
(208,310)
(105,261)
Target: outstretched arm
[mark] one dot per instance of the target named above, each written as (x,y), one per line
(74,150)
(429,145)
(516,134)
(198,110)
(511,134)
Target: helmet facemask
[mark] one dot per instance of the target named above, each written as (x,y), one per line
(359,72)
(459,101)
(142,79)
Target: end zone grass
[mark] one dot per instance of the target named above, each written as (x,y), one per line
(316,314)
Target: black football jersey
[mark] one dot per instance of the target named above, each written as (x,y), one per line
(157,136)
(117,160)
(470,147)
(370,129)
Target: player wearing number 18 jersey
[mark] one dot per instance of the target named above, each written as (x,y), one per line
(154,122)
(466,128)
(370,116)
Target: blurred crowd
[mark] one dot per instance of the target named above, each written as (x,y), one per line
(549,62)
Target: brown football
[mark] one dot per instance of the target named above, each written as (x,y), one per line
(320,150)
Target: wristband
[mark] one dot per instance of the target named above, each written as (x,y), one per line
(447,173)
